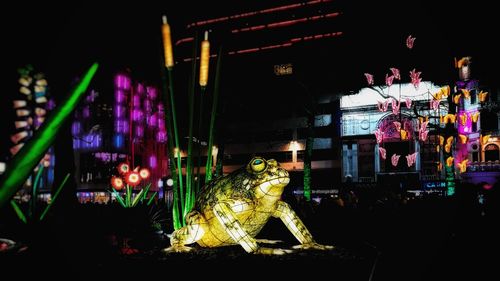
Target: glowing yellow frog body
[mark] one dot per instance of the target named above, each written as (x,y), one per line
(233,209)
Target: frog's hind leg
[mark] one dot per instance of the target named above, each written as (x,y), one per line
(233,227)
(192,232)
(297,228)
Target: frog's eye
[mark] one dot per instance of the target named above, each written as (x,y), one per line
(258,165)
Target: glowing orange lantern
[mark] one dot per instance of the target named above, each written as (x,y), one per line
(123,168)
(167,43)
(482,96)
(466,93)
(133,178)
(144,173)
(117,183)
(475,117)
(204,60)
(449,161)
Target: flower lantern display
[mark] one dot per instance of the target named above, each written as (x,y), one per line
(144,173)
(123,168)
(133,178)
(117,183)
(128,180)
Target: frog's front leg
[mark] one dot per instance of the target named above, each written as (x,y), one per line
(297,227)
(188,234)
(233,227)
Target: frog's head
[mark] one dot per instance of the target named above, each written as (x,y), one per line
(266,177)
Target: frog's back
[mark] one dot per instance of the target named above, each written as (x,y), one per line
(222,188)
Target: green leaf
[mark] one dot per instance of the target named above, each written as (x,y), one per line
(136,199)
(18,210)
(119,198)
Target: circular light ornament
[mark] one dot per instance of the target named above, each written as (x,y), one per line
(133,178)
(123,168)
(117,183)
(144,173)
(170,182)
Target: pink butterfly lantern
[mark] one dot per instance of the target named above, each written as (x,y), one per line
(411,158)
(408,103)
(382,152)
(395,159)
(410,41)
(389,79)
(369,78)
(395,73)
(379,135)
(415,78)
(395,107)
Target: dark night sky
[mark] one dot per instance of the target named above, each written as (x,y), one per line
(69,39)
(64,40)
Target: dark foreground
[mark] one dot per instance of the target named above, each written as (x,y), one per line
(425,239)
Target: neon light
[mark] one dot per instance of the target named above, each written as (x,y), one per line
(76,128)
(265,11)
(122,82)
(161,122)
(161,136)
(121,126)
(140,88)
(332,15)
(137,114)
(184,40)
(152,93)
(136,101)
(248,51)
(284,23)
(91,141)
(86,112)
(119,96)
(152,120)
(152,161)
(29,156)
(286,44)
(139,131)
(119,112)
(147,106)
(118,141)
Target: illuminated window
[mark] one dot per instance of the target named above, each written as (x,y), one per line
(283,69)
(473,97)
(475,156)
(491,152)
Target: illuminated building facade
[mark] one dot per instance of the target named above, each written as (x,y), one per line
(424,138)
(368,157)
(129,128)
(478,125)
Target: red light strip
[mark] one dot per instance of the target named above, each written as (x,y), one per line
(331,15)
(249,14)
(287,44)
(270,47)
(284,23)
(184,40)
(248,51)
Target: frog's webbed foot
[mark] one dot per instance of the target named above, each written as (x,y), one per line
(272,251)
(178,249)
(313,246)
(267,241)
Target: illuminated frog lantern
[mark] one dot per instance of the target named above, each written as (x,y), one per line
(233,209)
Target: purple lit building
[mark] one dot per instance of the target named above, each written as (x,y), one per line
(128,127)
